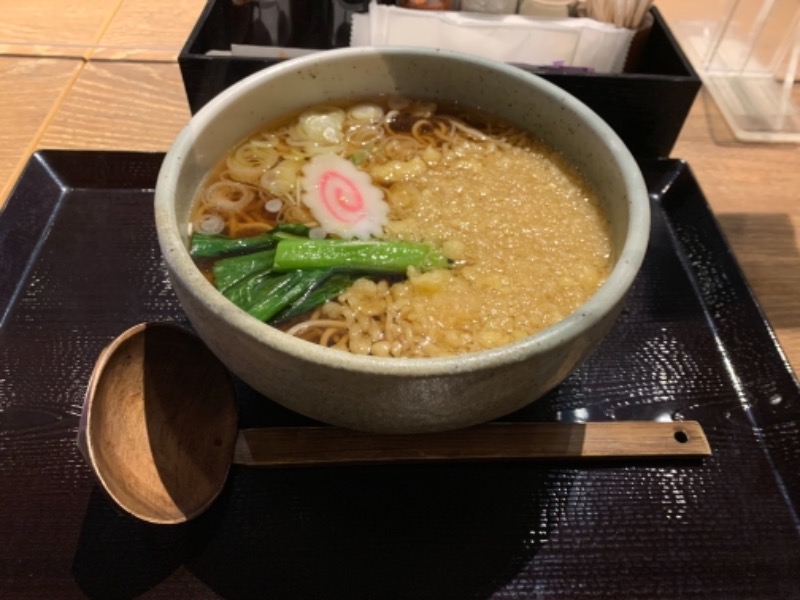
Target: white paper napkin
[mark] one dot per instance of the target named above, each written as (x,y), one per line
(571,42)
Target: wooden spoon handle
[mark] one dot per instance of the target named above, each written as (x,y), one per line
(284,446)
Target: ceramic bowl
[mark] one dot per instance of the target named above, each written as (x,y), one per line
(400,395)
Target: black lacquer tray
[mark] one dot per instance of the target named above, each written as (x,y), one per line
(79,263)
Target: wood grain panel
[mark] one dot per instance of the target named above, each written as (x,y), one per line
(121,106)
(30,91)
(44,27)
(148,30)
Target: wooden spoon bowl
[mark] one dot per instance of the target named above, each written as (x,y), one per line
(161,423)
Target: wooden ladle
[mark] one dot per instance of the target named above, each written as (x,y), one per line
(159,429)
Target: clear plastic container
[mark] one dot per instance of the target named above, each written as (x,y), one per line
(747,53)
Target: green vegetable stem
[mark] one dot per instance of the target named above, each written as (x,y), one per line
(375,256)
(205,245)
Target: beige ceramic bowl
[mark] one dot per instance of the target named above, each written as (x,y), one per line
(394,394)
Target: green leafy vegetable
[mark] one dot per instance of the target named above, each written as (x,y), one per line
(230,271)
(280,291)
(281,274)
(329,288)
(249,290)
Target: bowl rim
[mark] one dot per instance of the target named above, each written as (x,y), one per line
(583,318)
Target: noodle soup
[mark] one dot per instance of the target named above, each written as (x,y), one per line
(512,238)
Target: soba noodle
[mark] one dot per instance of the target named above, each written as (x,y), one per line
(527,238)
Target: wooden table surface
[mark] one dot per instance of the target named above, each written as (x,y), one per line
(102,74)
